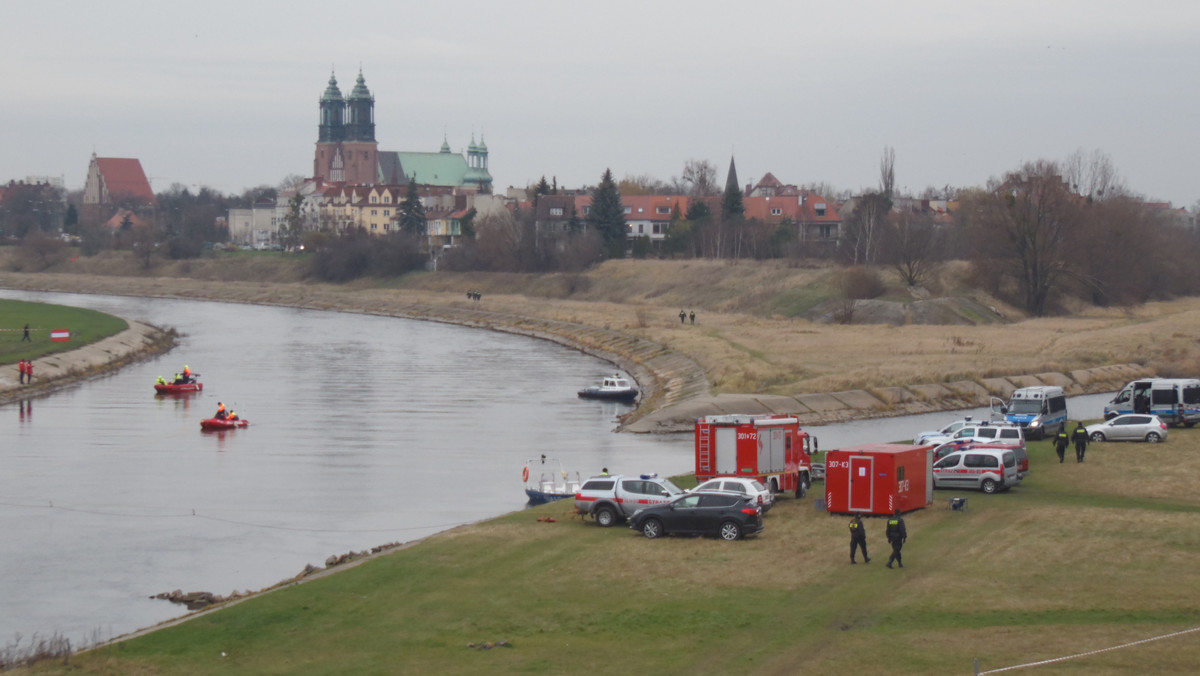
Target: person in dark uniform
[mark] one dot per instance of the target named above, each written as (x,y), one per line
(692,316)
(682,316)
(1061,440)
(896,535)
(858,538)
(1079,436)
(25,337)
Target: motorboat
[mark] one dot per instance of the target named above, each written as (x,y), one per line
(222,423)
(547,481)
(178,388)
(614,388)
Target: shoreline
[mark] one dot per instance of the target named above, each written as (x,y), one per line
(675,387)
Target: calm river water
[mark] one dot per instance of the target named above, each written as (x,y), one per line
(364,430)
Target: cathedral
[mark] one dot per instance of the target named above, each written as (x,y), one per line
(347,152)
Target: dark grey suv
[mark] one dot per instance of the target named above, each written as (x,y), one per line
(727,515)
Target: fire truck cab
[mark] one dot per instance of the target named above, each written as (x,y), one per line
(770,448)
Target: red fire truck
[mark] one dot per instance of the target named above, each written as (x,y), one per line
(770,448)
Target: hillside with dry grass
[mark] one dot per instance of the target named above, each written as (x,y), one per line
(754,330)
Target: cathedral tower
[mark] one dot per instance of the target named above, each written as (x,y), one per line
(346,148)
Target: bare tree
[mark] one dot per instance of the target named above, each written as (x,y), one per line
(887,171)
(701,175)
(1093,175)
(911,244)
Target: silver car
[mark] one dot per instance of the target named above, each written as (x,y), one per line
(1129,427)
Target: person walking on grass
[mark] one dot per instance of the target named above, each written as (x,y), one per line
(897,534)
(25,338)
(682,316)
(1080,437)
(858,538)
(1061,440)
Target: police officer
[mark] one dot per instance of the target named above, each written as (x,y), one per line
(896,535)
(1079,436)
(1061,440)
(858,538)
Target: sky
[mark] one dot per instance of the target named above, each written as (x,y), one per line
(224,94)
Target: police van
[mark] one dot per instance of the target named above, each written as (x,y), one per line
(1175,400)
(1041,411)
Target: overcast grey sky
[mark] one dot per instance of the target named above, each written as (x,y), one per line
(224,94)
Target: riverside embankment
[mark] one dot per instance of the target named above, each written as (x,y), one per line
(676,366)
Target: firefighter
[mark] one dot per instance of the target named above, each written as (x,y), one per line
(220,415)
(1079,436)
(858,538)
(187,374)
(896,535)
(1061,440)
(161,381)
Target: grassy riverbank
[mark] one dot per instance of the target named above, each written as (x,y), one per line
(1076,559)
(85,326)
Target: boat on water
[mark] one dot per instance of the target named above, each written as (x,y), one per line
(222,424)
(613,388)
(547,481)
(178,388)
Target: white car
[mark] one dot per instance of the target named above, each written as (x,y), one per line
(1000,433)
(1129,427)
(732,484)
(948,431)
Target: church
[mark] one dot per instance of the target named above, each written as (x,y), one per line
(347,152)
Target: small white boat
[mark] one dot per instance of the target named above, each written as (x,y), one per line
(547,481)
(612,387)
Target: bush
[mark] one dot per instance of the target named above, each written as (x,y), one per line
(356,255)
(860,284)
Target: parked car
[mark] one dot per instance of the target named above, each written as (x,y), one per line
(965,445)
(1129,427)
(742,485)
(985,469)
(614,498)
(729,516)
(946,432)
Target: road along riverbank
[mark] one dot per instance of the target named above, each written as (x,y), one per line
(676,387)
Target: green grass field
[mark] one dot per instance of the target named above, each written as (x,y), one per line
(86,326)
(1078,558)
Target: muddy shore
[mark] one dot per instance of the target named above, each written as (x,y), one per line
(676,388)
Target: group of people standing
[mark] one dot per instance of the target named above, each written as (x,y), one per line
(25,368)
(896,533)
(1062,439)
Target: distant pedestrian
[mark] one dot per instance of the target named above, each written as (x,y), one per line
(858,538)
(693,316)
(1061,440)
(682,316)
(1080,437)
(25,338)
(897,535)
(21,370)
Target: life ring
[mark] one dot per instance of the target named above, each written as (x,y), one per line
(525,474)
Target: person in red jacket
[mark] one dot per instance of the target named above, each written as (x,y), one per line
(21,370)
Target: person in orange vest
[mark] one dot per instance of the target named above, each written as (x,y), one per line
(233,415)
(220,411)
(187,374)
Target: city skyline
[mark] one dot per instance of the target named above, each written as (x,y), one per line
(226,96)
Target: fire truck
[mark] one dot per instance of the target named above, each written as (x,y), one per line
(770,448)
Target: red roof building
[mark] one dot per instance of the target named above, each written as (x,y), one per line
(117,180)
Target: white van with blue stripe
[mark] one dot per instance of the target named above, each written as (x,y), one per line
(1175,400)
(1041,411)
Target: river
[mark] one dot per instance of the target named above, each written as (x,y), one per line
(364,430)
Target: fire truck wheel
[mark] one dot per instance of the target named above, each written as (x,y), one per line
(605,516)
(988,486)
(652,528)
(730,531)
(802,489)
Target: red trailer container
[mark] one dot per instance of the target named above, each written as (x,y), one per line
(770,448)
(878,478)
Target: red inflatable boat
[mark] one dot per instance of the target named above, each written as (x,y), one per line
(181,388)
(222,424)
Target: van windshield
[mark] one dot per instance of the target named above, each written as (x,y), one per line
(1025,406)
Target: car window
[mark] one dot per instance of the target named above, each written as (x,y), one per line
(758,487)
(990,461)
(1139,420)
(734,486)
(687,501)
(1010,460)
(948,461)
(987,433)
(716,500)
(1010,434)
(599,485)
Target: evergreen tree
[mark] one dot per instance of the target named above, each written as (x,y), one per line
(732,206)
(542,188)
(412,212)
(698,210)
(608,216)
